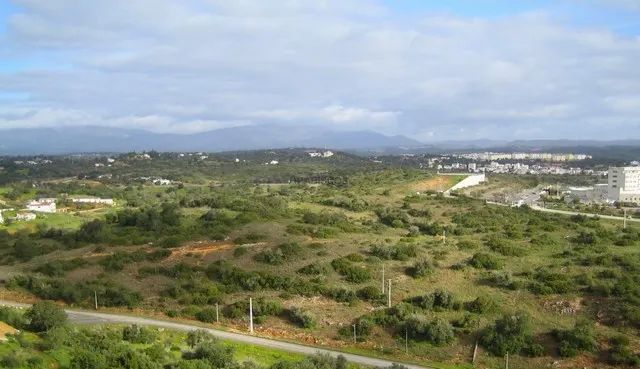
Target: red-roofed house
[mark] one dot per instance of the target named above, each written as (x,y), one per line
(42,207)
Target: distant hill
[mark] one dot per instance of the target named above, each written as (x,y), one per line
(104,139)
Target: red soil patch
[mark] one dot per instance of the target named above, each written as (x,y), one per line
(199,248)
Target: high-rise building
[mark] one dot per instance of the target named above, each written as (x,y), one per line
(624,184)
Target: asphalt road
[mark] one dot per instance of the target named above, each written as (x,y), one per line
(86,317)
(565,212)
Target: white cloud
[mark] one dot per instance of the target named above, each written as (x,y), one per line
(192,65)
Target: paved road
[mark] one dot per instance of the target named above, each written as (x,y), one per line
(565,212)
(86,317)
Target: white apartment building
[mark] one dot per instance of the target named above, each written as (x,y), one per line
(624,184)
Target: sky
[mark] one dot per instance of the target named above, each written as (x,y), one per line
(428,69)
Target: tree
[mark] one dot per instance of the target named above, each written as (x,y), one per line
(218,355)
(198,337)
(88,359)
(44,315)
(511,333)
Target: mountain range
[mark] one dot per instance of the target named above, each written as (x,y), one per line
(93,139)
(79,139)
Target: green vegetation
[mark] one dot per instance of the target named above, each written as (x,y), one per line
(48,341)
(308,240)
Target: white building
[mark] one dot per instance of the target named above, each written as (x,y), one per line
(25,217)
(42,207)
(624,184)
(91,200)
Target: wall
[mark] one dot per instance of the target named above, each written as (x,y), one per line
(472,180)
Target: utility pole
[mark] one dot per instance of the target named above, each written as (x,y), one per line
(250,315)
(355,337)
(95,298)
(444,236)
(406,341)
(383,279)
(624,222)
(507,362)
(217,314)
(389,292)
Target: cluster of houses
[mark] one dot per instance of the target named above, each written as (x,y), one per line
(20,217)
(323,154)
(157,181)
(49,206)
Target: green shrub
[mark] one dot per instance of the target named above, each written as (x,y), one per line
(421,269)
(504,247)
(485,261)
(401,252)
(137,334)
(369,293)
(510,333)
(342,295)
(240,251)
(467,245)
(352,273)
(302,318)
(438,332)
(579,339)
(313,269)
(481,305)
(467,323)
(437,300)
(207,315)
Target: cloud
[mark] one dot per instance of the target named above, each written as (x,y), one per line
(194,65)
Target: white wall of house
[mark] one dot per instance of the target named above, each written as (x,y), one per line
(42,207)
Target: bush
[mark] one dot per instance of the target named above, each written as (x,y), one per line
(504,247)
(437,332)
(198,337)
(240,251)
(510,333)
(207,315)
(572,342)
(485,261)
(421,269)
(437,300)
(352,273)
(467,324)
(137,334)
(401,252)
(481,305)
(534,350)
(467,245)
(622,355)
(369,293)
(13,317)
(504,280)
(302,318)
(546,283)
(313,269)
(342,295)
